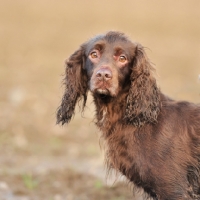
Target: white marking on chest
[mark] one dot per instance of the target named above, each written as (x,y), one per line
(104,115)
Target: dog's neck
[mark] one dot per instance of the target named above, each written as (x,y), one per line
(110,111)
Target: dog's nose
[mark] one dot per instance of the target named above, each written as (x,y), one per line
(104,74)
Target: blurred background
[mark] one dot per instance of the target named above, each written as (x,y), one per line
(41,160)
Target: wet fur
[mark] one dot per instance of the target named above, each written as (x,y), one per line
(152,140)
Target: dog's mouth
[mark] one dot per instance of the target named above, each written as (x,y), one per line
(103,94)
(103,91)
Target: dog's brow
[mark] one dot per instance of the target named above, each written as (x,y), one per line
(99,46)
(118,50)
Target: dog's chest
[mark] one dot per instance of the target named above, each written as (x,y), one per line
(120,149)
(126,154)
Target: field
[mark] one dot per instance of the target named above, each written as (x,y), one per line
(40,160)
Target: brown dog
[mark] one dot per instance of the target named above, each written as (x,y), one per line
(152,140)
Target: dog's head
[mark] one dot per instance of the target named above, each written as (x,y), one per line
(109,65)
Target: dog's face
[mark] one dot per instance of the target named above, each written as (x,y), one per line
(112,68)
(108,64)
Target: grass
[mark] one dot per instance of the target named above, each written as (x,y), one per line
(29,181)
(98,184)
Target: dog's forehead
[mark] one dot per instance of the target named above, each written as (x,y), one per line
(110,42)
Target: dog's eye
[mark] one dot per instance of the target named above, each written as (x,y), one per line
(122,59)
(94,54)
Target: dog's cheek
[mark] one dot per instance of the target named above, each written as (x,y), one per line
(114,84)
(89,68)
(91,84)
(124,75)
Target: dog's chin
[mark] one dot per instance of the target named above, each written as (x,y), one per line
(104,94)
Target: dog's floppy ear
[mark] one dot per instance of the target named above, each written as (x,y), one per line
(143,101)
(76,88)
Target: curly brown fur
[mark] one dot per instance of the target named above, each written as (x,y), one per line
(143,102)
(151,139)
(75,82)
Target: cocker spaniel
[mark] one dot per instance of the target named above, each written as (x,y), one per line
(151,139)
